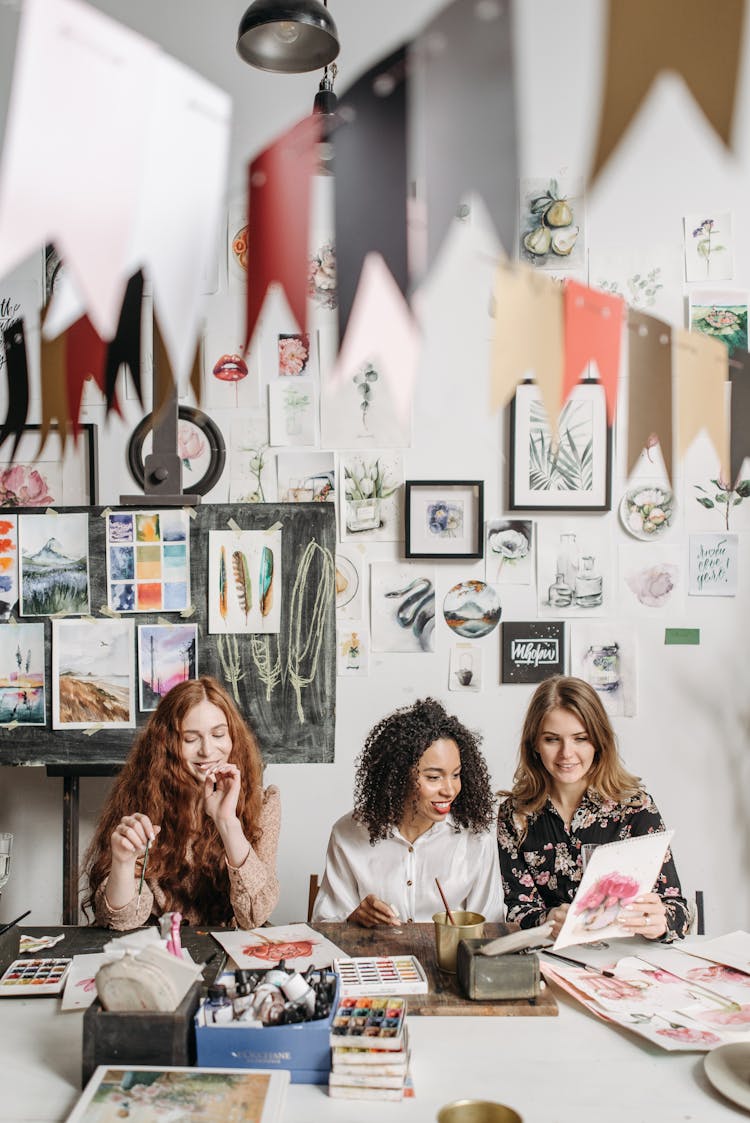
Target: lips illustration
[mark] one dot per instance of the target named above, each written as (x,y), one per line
(230,368)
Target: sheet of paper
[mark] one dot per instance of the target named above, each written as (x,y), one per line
(616,874)
(298,944)
(733,950)
(80,986)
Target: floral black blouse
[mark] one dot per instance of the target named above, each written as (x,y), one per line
(544,870)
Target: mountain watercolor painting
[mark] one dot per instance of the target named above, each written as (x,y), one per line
(54,568)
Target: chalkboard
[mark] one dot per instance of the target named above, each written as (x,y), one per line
(291,707)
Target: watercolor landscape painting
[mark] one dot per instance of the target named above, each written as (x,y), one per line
(92,674)
(22,674)
(167,655)
(54,564)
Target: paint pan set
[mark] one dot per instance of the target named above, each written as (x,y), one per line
(375,1022)
(381,974)
(29,978)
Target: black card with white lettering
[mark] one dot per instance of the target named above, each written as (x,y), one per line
(533,652)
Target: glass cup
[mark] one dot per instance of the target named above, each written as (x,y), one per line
(477,1111)
(6,842)
(587,850)
(468,926)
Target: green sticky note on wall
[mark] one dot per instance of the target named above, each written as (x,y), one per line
(682,635)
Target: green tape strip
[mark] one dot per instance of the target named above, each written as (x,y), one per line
(688,636)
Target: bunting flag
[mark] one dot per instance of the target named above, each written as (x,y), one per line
(85,355)
(164,380)
(528,338)
(739,441)
(464,118)
(369,144)
(139,145)
(14,345)
(278,231)
(54,389)
(649,387)
(125,348)
(593,333)
(700,41)
(701,366)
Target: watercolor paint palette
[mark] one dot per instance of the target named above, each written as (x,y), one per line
(369,1022)
(28,978)
(381,974)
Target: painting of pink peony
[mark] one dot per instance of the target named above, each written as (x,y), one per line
(23,485)
(601,904)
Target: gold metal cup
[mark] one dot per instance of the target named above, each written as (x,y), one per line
(468,926)
(477,1111)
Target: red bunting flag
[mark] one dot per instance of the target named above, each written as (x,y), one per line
(85,354)
(593,333)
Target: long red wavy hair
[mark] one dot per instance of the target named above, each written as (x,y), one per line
(188,859)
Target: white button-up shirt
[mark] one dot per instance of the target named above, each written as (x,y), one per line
(403,873)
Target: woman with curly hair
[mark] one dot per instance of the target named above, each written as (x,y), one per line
(423,808)
(192,790)
(571,788)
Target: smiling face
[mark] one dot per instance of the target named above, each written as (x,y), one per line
(566,751)
(205,740)
(438,782)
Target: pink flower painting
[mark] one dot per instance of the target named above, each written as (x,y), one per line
(22,485)
(294,354)
(689,1036)
(601,903)
(740,1017)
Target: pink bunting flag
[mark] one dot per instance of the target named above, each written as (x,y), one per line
(593,333)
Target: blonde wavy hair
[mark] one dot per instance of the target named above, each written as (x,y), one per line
(532,783)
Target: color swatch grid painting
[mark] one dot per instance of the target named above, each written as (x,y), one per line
(92,674)
(148,561)
(244,581)
(167,655)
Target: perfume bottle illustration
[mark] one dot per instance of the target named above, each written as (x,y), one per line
(588,584)
(560,593)
(602,666)
(567,559)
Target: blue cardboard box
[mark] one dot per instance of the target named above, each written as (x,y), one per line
(304,1048)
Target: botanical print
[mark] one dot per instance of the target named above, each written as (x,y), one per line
(54,574)
(567,465)
(253,478)
(617,873)
(292,408)
(722,315)
(349,585)
(651,581)
(472,609)
(648,278)
(647,510)
(533,651)
(362,409)
(29,485)
(719,496)
(465,668)
(321,276)
(22,698)
(710,502)
(92,674)
(713,565)
(352,648)
(148,561)
(167,655)
(370,488)
(244,581)
(190,1095)
(297,354)
(231,378)
(708,247)
(444,518)
(306,477)
(44,478)
(8,565)
(573,569)
(509,556)
(402,607)
(603,654)
(552,223)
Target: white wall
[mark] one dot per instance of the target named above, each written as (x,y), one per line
(691,735)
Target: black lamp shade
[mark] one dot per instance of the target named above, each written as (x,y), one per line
(287,37)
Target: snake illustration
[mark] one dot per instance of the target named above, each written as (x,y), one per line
(417,611)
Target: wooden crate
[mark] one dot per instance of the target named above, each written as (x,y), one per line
(498,976)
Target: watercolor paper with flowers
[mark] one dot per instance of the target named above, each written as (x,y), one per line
(677,1000)
(616,874)
(708,246)
(652,579)
(298,944)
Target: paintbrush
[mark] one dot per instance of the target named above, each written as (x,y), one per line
(143,867)
(727,1003)
(448,912)
(579,963)
(6,927)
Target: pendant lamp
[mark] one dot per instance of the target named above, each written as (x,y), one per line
(287,36)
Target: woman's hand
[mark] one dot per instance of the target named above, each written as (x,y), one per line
(221,790)
(372,911)
(128,840)
(557,918)
(645,916)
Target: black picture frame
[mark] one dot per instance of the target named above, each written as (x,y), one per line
(576,477)
(87,468)
(452,511)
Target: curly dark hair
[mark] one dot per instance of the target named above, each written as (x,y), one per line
(387,769)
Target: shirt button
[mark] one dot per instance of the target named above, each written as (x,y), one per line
(411,849)
(410,883)
(410,920)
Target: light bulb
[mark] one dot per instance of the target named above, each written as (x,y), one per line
(286,32)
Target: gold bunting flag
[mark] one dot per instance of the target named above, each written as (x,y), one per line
(701,366)
(699,40)
(649,387)
(528,339)
(54,388)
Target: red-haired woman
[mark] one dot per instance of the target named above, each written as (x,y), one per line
(192,789)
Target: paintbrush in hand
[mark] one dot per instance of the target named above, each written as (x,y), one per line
(143,867)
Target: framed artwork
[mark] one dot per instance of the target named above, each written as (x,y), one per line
(49,477)
(573,475)
(199,443)
(444,519)
(533,651)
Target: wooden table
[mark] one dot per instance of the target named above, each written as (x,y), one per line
(444,997)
